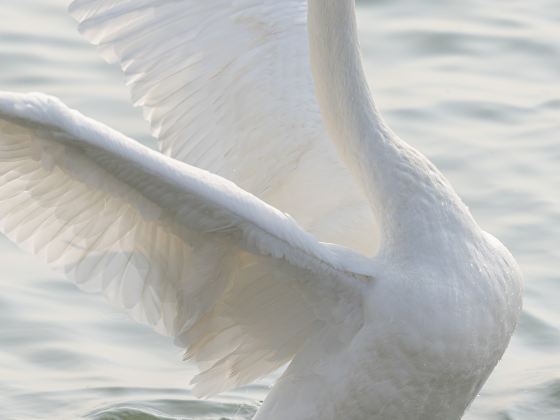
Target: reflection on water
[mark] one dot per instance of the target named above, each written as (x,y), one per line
(176,409)
(474,85)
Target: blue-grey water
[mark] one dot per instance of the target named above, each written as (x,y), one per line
(474,84)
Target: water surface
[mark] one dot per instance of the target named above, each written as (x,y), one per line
(473,84)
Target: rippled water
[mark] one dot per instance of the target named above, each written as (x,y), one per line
(473,84)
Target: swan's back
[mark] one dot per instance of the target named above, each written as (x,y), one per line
(432,335)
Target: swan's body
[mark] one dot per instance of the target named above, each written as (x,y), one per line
(268,94)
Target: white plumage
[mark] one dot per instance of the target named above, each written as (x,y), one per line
(253,102)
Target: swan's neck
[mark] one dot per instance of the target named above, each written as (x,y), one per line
(405,191)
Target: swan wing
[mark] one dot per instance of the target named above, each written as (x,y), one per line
(234,280)
(227,86)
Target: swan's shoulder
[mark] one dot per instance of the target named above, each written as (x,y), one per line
(448,302)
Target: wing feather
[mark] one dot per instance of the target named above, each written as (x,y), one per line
(227,86)
(238,283)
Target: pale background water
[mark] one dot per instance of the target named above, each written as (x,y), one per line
(474,84)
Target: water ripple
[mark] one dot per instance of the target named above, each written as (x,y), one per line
(474,86)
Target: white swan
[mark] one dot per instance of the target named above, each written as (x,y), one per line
(268,94)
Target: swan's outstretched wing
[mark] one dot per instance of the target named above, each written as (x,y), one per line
(227,86)
(237,282)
